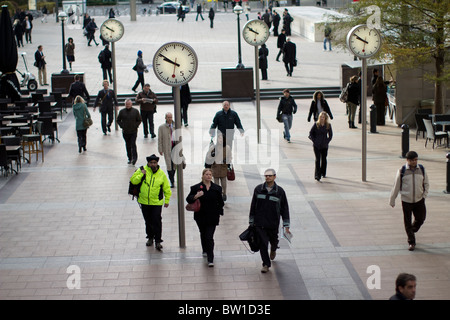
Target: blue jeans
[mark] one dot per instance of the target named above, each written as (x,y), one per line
(325,43)
(287,120)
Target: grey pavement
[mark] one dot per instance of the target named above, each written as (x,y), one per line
(72,212)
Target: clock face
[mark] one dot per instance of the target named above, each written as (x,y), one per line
(175,63)
(255,32)
(363,41)
(112,30)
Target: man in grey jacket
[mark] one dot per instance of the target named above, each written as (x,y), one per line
(412,184)
(129,120)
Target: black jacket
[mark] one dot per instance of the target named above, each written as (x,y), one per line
(106,100)
(267,207)
(287,106)
(320,136)
(289,52)
(211,204)
(314,112)
(354,93)
(223,121)
(129,120)
(39,62)
(78,88)
(263,52)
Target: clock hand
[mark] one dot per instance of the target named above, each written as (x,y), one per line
(174,66)
(360,39)
(109,28)
(168,60)
(253,30)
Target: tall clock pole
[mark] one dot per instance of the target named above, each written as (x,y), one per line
(258,103)
(180,183)
(113,58)
(364,117)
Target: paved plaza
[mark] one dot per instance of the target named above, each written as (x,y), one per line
(72,213)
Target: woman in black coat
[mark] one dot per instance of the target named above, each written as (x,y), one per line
(321,135)
(207,218)
(318,104)
(263,52)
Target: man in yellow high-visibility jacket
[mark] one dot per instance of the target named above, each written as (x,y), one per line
(154,193)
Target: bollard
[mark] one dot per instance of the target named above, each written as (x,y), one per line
(405,140)
(447,190)
(373,119)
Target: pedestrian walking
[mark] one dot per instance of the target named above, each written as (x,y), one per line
(289,56)
(154,193)
(140,68)
(318,104)
(354,91)
(263,52)
(181,13)
(106,101)
(78,88)
(80,112)
(211,208)
(147,100)
(412,183)
(281,40)
(185,100)
(167,142)
(91,28)
(199,11)
(44,15)
(69,50)
(380,100)
(105,59)
(211,15)
(269,204)
(267,18)
(225,120)
(129,120)
(405,287)
(287,20)
(286,109)
(327,37)
(18,32)
(276,22)
(246,8)
(40,63)
(219,159)
(321,134)
(28,26)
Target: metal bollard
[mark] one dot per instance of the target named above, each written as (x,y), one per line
(405,140)
(447,190)
(373,119)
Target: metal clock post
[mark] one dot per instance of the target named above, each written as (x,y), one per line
(175,64)
(255,33)
(112,30)
(364,43)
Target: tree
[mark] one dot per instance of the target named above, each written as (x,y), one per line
(414,32)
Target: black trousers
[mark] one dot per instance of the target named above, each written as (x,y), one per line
(289,67)
(207,239)
(265,236)
(147,121)
(107,70)
(110,115)
(82,140)
(419,211)
(321,162)
(130,144)
(153,222)
(184,112)
(140,80)
(264,74)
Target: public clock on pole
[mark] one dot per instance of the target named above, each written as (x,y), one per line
(256,32)
(175,63)
(363,41)
(112,30)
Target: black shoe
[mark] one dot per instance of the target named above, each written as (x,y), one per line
(79,149)
(153,135)
(133,162)
(145,136)
(109,128)
(129,162)
(158,246)
(149,242)
(84,148)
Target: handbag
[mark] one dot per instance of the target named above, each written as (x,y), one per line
(295,63)
(279,118)
(195,206)
(87,122)
(343,97)
(230,173)
(252,238)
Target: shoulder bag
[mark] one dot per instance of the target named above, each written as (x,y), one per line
(230,173)
(195,206)
(87,122)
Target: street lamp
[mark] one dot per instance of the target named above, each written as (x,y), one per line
(63,17)
(238,10)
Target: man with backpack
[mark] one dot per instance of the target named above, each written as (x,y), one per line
(104,57)
(412,184)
